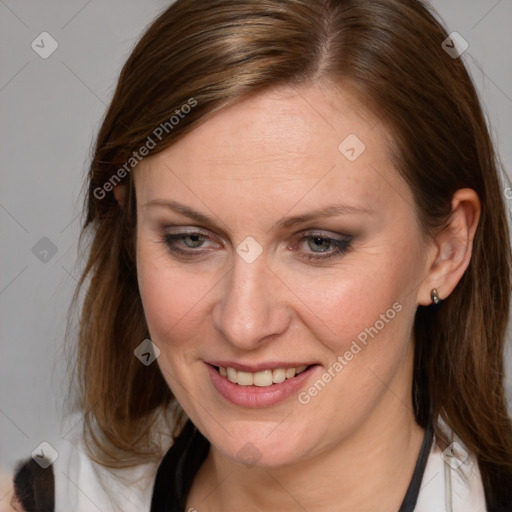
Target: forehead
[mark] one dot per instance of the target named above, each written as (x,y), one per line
(306,144)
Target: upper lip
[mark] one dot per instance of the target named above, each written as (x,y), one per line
(253,368)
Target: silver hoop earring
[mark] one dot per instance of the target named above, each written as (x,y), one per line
(434,295)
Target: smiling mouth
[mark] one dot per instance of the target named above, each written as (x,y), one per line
(263,378)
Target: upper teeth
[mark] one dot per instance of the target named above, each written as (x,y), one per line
(264,378)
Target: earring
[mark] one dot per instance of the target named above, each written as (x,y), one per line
(434,295)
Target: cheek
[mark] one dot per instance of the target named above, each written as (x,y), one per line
(353,297)
(366,300)
(171,297)
(364,325)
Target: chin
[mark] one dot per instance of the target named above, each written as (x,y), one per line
(253,447)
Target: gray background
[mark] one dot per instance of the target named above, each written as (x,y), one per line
(51,110)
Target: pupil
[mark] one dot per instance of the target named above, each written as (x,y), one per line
(321,243)
(195,239)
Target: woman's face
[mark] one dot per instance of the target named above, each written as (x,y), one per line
(270,239)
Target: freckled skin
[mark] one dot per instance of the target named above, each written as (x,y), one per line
(249,166)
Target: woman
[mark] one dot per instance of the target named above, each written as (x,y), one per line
(298,240)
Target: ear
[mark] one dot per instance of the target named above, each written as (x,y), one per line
(120,194)
(452,247)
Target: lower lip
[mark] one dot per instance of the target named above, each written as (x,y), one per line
(256,396)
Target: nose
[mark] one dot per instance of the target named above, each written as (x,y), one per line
(252,309)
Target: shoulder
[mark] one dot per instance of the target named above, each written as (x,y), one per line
(75,482)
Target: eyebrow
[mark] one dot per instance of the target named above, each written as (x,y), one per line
(183,209)
(328,211)
(285,223)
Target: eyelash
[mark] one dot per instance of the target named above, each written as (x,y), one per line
(341,246)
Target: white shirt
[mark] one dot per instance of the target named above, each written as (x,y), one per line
(451,484)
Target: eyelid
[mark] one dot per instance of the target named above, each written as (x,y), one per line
(208,234)
(334,237)
(190,230)
(324,233)
(193,230)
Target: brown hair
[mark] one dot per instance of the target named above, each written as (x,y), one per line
(215,52)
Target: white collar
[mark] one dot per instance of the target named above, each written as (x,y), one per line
(451,482)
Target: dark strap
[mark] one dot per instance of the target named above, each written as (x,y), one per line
(177,470)
(181,463)
(413,491)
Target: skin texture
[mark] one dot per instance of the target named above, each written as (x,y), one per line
(249,166)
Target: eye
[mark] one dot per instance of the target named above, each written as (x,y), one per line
(320,247)
(319,244)
(186,243)
(193,240)
(314,247)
